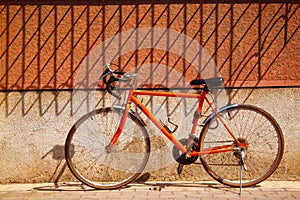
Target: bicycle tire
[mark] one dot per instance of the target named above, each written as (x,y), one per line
(88,159)
(258,130)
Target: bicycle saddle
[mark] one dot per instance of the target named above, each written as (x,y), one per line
(210,82)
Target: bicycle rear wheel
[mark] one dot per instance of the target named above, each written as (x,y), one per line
(252,126)
(88,159)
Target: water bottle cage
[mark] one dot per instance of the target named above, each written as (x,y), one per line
(168,129)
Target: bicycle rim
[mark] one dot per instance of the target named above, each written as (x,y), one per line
(90,162)
(256,128)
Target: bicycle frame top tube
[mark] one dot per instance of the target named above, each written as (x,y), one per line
(166,94)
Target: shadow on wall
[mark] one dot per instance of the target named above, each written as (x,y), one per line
(43,46)
(58,154)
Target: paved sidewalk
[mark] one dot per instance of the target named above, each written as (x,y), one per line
(150,190)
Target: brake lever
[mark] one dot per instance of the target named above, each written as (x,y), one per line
(110,73)
(109,88)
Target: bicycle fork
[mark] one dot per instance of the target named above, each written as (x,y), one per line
(121,126)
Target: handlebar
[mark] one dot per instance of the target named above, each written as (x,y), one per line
(112,78)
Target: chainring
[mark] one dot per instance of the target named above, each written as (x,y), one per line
(180,157)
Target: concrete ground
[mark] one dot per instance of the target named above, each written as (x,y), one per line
(152,190)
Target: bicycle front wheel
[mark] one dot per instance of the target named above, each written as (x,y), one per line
(92,164)
(251,126)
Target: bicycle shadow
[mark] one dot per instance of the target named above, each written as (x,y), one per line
(158,186)
(179,185)
(58,154)
(143,183)
(65,187)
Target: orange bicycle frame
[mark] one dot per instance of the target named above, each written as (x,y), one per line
(201,97)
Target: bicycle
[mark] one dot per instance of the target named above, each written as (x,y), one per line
(239,145)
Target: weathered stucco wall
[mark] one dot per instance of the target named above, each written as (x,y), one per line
(44,48)
(32,144)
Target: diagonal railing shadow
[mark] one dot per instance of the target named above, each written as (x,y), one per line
(45,45)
